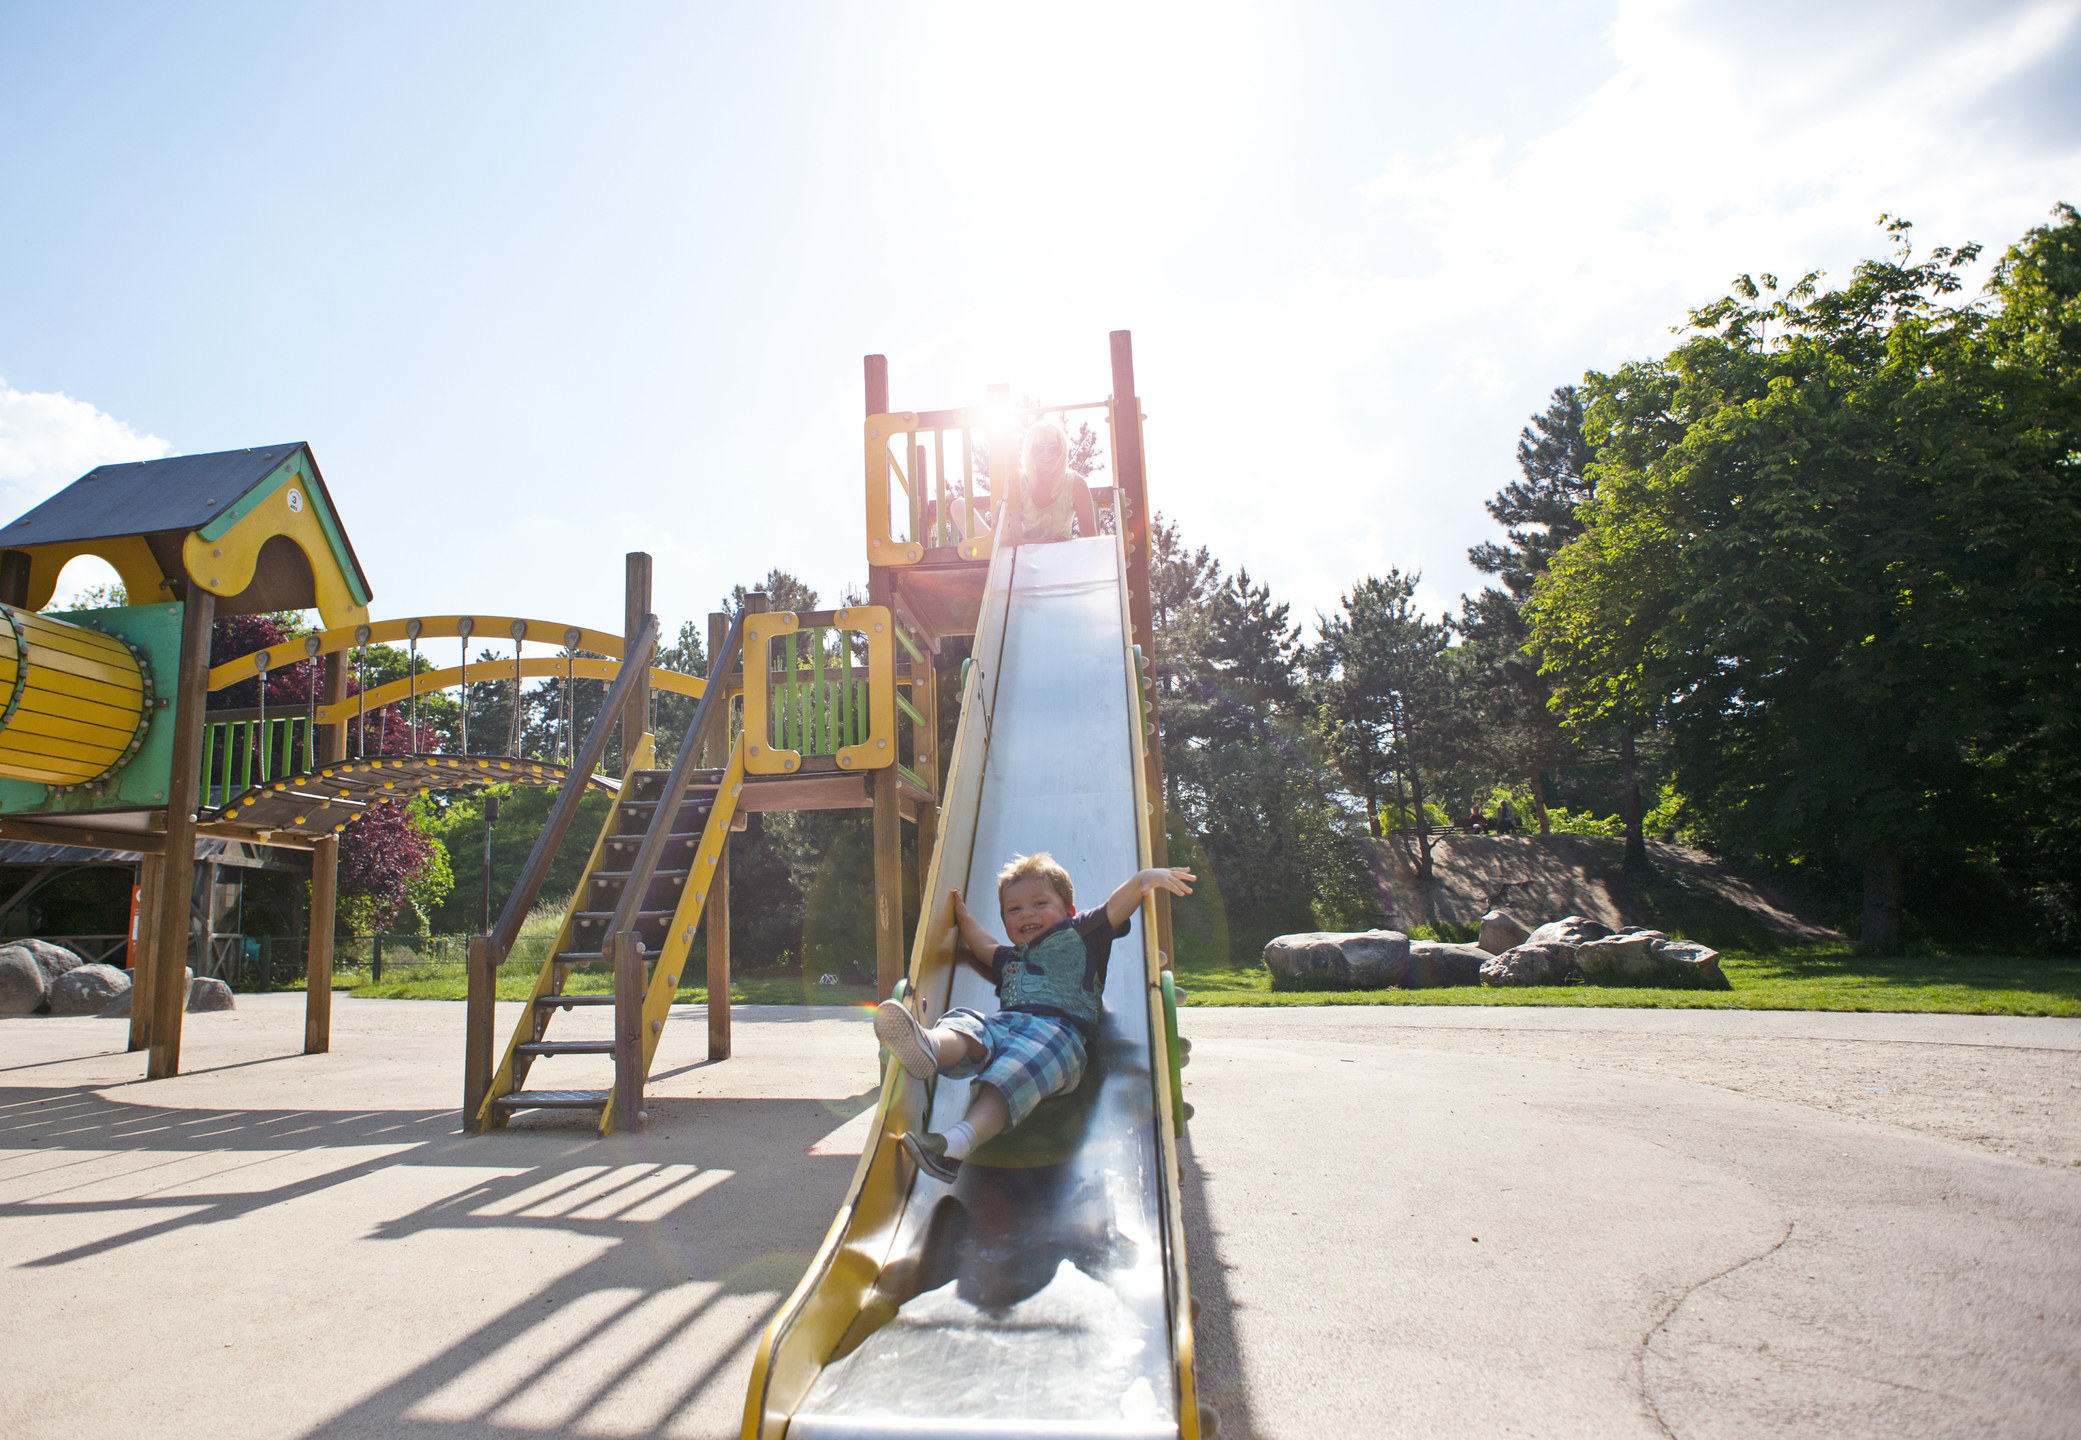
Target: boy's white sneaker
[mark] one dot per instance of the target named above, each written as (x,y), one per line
(898,1029)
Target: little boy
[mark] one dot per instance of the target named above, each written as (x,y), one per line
(1051,983)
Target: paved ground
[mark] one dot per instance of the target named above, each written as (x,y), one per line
(1450,1222)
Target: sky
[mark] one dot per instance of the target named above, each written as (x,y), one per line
(544,284)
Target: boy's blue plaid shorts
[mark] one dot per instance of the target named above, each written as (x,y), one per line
(1027,1057)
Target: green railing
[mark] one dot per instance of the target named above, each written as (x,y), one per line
(819,693)
(246,754)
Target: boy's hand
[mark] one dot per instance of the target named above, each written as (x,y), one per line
(980,942)
(1123,902)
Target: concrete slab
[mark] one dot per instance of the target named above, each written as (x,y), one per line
(278,1245)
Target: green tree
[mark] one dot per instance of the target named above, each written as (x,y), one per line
(1395,704)
(1834,545)
(1522,736)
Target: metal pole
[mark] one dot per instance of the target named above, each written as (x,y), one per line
(491,818)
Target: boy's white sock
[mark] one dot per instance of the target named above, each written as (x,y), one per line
(960,1140)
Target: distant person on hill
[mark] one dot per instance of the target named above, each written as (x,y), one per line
(1477,823)
(1054,502)
(1051,983)
(1506,819)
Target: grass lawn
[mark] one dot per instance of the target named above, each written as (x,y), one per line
(1812,978)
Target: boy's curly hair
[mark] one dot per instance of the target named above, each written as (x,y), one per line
(1041,866)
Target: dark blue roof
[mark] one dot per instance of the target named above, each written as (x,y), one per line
(143,497)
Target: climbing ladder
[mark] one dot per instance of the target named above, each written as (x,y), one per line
(690,844)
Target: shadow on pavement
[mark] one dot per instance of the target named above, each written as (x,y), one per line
(1218,1356)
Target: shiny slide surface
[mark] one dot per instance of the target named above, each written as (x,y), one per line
(1043,1293)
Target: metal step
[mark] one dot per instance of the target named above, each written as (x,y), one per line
(609,877)
(552,1100)
(601,917)
(566,1047)
(551,1002)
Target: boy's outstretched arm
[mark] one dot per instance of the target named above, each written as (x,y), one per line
(1123,902)
(980,943)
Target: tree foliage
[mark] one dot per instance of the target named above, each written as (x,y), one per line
(1833,549)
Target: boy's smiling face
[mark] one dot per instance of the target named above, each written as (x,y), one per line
(1030,906)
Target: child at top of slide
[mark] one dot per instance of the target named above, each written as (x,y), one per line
(1051,495)
(1050,983)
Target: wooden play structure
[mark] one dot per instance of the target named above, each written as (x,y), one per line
(107,740)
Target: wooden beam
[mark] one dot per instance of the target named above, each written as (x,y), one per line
(479,1021)
(1130,469)
(635,717)
(177,881)
(144,958)
(317,955)
(45,833)
(716,916)
(628,1031)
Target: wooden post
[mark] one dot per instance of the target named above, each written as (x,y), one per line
(317,961)
(717,919)
(1130,472)
(479,1021)
(144,960)
(177,876)
(716,914)
(888,823)
(628,1031)
(332,739)
(635,719)
(925,760)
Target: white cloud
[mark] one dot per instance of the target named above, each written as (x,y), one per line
(1391,377)
(48,440)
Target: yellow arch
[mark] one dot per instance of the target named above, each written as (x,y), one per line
(487,628)
(431,681)
(143,581)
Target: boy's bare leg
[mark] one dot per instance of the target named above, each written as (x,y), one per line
(986,1118)
(952,1047)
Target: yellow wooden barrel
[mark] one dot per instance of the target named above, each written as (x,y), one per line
(78,700)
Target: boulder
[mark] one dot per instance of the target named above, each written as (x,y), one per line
(53,960)
(1500,930)
(1536,962)
(1328,960)
(88,990)
(1625,958)
(1648,957)
(1433,964)
(1573,931)
(119,1008)
(22,986)
(207,992)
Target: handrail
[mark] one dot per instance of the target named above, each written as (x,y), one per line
(646,863)
(532,874)
(422,627)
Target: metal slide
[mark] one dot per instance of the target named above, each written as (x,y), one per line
(1044,1293)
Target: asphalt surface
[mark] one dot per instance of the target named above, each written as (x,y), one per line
(1440,1221)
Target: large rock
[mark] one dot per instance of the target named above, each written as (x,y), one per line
(207,992)
(1433,964)
(1500,930)
(1573,931)
(1648,957)
(89,990)
(22,986)
(119,1008)
(1328,960)
(53,960)
(1533,963)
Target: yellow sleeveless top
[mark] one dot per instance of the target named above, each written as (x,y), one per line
(1053,521)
